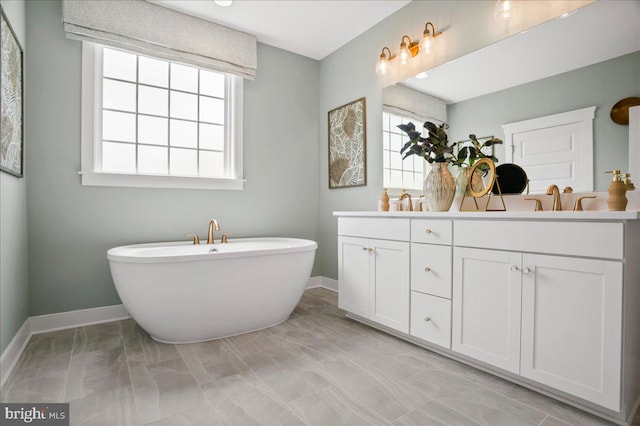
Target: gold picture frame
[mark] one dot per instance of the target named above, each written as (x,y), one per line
(347,126)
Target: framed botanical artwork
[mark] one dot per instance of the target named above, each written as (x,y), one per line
(347,145)
(11,128)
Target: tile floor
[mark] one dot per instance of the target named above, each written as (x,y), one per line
(317,368)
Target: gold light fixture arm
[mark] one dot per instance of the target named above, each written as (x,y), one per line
(431,33)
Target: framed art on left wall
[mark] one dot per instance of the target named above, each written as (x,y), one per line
(347,145)
(11,109)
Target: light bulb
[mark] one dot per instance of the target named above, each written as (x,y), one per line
(503,9)
(382,65)
(223,3)
(425,43)
(404,54)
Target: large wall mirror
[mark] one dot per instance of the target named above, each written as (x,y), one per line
(590,58)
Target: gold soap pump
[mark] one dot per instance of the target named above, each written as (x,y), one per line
(617,199)
(384,201)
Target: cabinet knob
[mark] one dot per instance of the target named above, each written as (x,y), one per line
(429,231)
(370,250)
(427,269)
(514,268)
(427,319)
(364,249)
(526,270)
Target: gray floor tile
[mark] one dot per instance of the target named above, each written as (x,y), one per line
(435,414)
(97,372)
(212,360)
(98,337)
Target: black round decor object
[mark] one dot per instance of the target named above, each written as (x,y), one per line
(512,179)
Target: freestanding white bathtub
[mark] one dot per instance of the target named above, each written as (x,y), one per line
(182,293)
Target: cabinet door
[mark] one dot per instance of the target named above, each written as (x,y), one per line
(353,275)
(571,326)
(390,284)
(487,288)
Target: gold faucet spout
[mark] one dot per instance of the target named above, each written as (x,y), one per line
(557,203)
(213,225)
(402,197)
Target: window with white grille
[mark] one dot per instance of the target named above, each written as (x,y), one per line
(160,123)
(400,174)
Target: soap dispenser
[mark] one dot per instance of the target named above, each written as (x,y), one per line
(384,201)
(627,182)
(617,199)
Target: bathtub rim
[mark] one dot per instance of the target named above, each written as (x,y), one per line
(126,253)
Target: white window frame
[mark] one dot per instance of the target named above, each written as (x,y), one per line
(418,121)
(91,144)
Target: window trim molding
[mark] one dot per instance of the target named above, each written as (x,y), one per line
(90,153)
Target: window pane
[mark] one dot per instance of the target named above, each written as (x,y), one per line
(118,95)
(184,105)
(212,83)
(211,164)
(386,159)
(385,140)
(118,126)
(153,71)
(407,180)
(394,120)
(396,179)
(184,78)
(152,130)
(152,101)
(120,65)
(152,159)
(385,121)
(386,178)
(396,161)
(211,110)
(211,137)
(396,142)
(184,162)
(118,157)
(184,133)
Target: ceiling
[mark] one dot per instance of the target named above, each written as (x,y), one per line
(594,33)
(312,28)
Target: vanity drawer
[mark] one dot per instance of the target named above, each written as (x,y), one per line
(431,231)
(431,269)
(431,319)
(380,228)
(588,239)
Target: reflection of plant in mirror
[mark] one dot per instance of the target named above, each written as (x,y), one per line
(434,148)
(469,153)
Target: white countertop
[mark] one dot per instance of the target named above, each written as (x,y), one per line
(546,215)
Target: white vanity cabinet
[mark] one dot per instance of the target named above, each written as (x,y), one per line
(550,318)
(548,300)
(374,272)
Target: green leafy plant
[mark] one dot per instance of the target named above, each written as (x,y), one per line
(434,148)
(468,154)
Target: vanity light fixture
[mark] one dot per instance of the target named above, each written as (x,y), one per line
(422,75)
(408,49)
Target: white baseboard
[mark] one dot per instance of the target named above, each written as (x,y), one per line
(79,318)
(53,322)
(12,353)
(324,282)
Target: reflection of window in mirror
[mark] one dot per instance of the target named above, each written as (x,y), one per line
(399,174)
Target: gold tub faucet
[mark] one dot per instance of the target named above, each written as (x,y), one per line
(212,225)
(557,203)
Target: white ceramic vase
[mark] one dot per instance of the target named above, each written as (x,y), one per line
(439,188)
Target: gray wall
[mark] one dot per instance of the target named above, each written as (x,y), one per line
(14,284)
(601,85)
(71,227)
(348,74)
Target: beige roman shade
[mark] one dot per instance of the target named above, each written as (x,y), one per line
(147,28)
